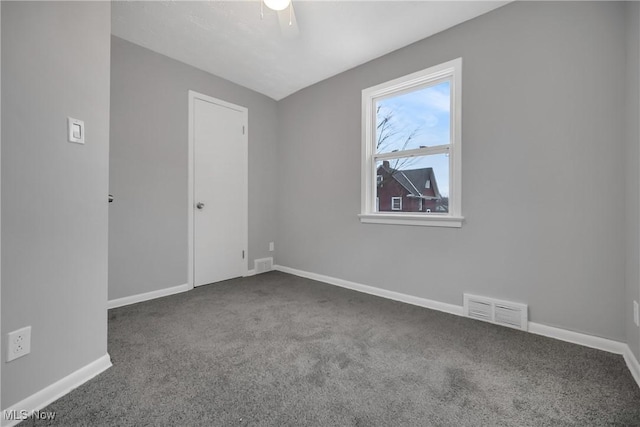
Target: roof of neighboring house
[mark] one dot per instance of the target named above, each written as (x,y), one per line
(414,181)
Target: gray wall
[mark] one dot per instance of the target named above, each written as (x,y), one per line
(148,167)
(55,63)
(1,198)
(543,176)
(632,168)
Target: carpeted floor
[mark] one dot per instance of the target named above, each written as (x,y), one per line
(276,350)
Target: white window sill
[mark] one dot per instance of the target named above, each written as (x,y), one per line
(420,220)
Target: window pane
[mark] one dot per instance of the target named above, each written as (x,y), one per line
(413,184)
(420,118)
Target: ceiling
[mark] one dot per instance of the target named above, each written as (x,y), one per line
(230,40)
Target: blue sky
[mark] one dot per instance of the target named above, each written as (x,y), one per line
(425,113)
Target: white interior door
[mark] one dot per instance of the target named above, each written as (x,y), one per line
(219,204)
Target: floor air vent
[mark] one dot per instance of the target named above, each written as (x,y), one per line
(263,265)
(505,313)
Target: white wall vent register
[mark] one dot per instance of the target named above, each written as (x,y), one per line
(505,313)
(263,265)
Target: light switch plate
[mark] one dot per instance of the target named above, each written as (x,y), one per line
(75,130)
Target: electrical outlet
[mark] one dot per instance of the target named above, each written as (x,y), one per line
(636,314)
(19,343)
(271,246)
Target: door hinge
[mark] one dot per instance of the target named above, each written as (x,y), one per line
(243,130)
(242,254)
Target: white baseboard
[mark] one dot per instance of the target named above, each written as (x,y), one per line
(396,296)
(632,363)
(586,340)
(251,272)
(120,302)
(44,397)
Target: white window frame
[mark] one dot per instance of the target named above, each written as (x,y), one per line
(451,71)
(399,199)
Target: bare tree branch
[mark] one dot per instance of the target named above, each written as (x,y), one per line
(389,136)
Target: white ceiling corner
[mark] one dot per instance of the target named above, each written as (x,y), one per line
(230,40)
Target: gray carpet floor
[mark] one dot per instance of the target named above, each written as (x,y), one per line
(277,350)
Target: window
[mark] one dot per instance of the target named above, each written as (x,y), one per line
(396,203)
(411,142)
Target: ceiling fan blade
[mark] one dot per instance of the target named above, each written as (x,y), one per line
(288,22)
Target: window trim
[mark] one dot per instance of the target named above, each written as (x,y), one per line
(451,70)
(399,199)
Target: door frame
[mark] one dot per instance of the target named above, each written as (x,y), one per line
(193,96)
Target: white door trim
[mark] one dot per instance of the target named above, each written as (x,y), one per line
(193,96)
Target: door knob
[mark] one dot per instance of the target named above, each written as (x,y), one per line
(200,205)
